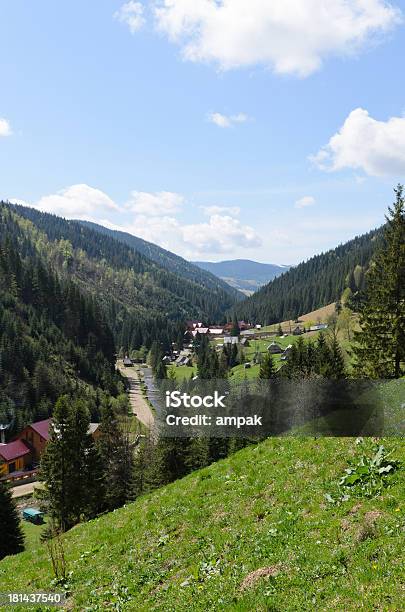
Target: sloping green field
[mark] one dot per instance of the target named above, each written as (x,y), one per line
(253,532)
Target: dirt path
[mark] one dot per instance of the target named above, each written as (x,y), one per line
(24,489)
(140,406)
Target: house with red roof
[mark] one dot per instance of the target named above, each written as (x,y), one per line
(14,457)
(29,446)
(35,436)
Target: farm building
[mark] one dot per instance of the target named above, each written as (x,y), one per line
(319,327)
(248,333)
(298,331)
(229,340)
(127,362)
(14,456)
(245,342)
(275,349)
(36,436)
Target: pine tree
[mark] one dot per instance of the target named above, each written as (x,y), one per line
(279,331)
(267,368)
(70,467)
(11,536)
(235,331)
(336,364)
(117,459)
(380,345)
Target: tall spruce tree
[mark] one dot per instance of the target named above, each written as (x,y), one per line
(380,345)
(11,536)
(69,466)
(117,459)
(267,368)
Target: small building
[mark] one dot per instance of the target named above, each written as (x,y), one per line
(298,331)
(127,362)
(94,431)
(286,353)
(36,436)
(166,360)
(248,333)
(14,457)
(318,327)
(230,340)
(275,349)
(33,515)
(245,342)
(247,366)
(216,331)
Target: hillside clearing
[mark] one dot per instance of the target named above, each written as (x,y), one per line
(240,535)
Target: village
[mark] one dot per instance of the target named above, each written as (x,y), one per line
(250,341)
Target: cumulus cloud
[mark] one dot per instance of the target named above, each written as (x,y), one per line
(152,216)
(155,204)
(77,202)
(376,147)
(227,121)
(288,36)
(131,14)
(222,234)
(305,201)
(5,128)
(218,210)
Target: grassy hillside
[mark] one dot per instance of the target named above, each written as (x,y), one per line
(266,529)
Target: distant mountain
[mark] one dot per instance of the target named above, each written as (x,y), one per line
(170,261)
(243,274)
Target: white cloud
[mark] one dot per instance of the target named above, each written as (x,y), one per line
(5,128)
(376,147)
(155,204)
(218,210)
(227,121)
(289,36)
(305,201)
(222,234)
(152,216)
(77,202)
(131,14)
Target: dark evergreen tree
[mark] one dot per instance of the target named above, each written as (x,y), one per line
(69,466)
(11,536)
(117,459)
(267,368)
(380,345)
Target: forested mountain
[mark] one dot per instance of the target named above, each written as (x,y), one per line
(53,338)
(171,262)
(142,302)
(314,283)
(243,274)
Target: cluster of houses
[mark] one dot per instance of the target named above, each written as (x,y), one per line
(23,454)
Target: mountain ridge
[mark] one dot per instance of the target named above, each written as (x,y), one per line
(167,259)
(246,275)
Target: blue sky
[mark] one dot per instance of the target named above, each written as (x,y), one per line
(271,134)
